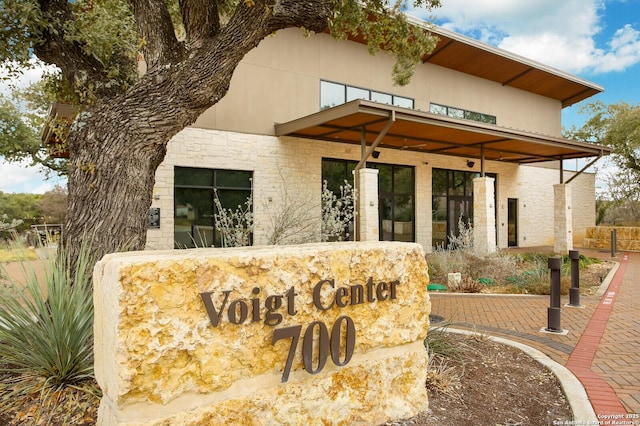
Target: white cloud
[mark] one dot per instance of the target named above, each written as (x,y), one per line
(24,78)
(22,178)
(561,34)
(624,51)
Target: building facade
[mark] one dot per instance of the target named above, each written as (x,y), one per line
(462,143)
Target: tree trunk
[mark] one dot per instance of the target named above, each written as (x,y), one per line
(111,179)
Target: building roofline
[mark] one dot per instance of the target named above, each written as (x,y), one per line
(438,30)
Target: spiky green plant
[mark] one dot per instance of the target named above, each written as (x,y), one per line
(46,330)
(442,344)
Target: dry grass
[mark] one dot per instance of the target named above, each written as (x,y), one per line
(442,378)
(497,266)
(14,255)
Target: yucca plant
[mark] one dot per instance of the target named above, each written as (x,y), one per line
(46,330)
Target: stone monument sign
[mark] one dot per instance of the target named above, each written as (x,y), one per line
(309,334)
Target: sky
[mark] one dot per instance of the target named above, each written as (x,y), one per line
(597,40)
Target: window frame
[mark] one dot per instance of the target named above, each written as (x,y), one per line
(394,168)
(211,190)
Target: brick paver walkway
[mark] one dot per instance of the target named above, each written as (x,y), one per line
(602,347)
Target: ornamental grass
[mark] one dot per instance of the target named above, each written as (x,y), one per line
(46,331)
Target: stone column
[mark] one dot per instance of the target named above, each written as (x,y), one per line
(367,225)
(484,215)
(562,219)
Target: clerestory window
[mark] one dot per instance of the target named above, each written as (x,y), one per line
(461,113)
(334,94)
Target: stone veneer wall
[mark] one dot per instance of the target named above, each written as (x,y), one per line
(297,165)
(627,237)
(484,232)
(163,356)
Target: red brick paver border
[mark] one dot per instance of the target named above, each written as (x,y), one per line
(602,396)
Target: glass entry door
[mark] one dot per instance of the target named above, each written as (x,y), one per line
(452,203)
(460,212)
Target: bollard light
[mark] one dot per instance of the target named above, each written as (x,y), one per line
(574,291)
(553,312)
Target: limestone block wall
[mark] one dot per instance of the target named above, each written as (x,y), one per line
(533,187)
(248,336)
(293,167)
(563,224)
(627,237)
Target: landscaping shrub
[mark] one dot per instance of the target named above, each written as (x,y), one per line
(442,344)
(501,272)
(46,334)
(536,279)
(461,257)
(496,266)
(442,348)
(543,287)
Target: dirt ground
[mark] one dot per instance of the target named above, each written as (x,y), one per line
(15,270)
(492,384)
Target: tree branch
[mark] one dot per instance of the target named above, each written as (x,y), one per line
(79,69)
(313,15)
(201,20)
(161,46)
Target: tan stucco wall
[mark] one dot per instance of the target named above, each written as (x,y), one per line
(280,81)
(296,164)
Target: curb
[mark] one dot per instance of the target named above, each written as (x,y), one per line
(607,280)
(573,390)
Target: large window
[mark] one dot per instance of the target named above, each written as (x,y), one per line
(396,202)
(395,195)
(194,206)
(452,203)
(461,113)
(333,94)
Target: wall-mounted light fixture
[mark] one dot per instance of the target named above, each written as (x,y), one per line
(375,154)
(470,163)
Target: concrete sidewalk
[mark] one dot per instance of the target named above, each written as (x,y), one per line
(601,348)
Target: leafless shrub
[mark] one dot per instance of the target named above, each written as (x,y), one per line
(496,266)
(294,219)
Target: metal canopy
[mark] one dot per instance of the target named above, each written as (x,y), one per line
(431,133)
